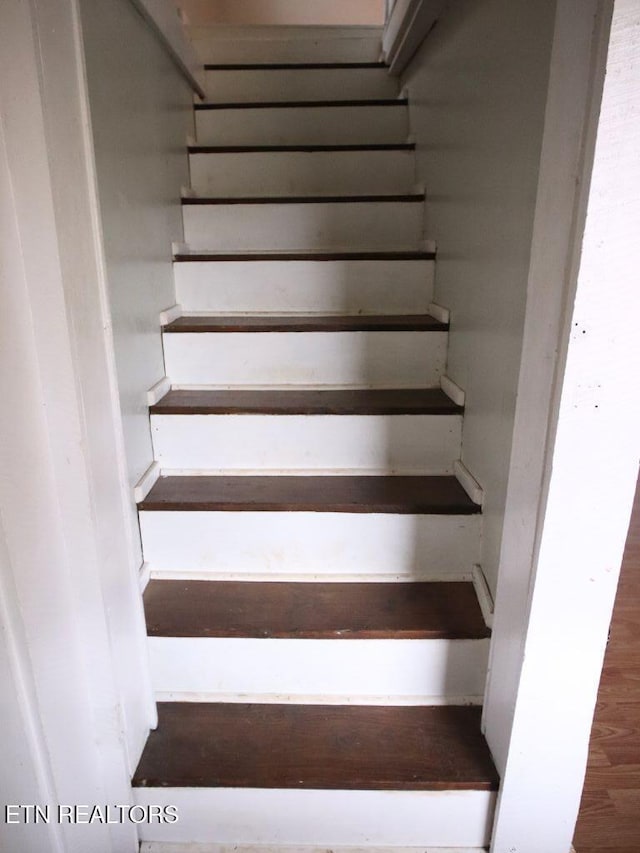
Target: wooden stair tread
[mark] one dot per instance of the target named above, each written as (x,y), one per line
(439,495)
(308,148)
(291,66)
(269,105)
(307,323)
(217,745)
(343,611)
(421,401)
(371,255)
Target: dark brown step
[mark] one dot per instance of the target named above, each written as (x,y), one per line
(266,105)
(322,611)
(292,66)
(406,198)
(309,149)
(307,323)
(214,745)
(420,401)
(372,494)
(198,257)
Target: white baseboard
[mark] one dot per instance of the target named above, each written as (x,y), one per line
(483,593)
(452,390)
(469,483)
(158,391)
(144,576)
(439,313)
(146,482)
(170,314)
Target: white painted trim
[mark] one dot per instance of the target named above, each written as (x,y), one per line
(187,192)
(316,699)
(163,19)
(453,391)
(574,459)
(468,482)
(178,248)
(170,314)
(430,245)
(144,576)
(164,847)
(72,485)
(146,482)
(409,24)
(485,599)
(158,391)
(439,313)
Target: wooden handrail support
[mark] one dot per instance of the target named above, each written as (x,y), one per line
(162,18)
(409,24)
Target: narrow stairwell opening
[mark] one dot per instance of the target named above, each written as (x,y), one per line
(318,650)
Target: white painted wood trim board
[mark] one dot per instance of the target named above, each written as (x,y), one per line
(158,391)
(146,482)
(469,482)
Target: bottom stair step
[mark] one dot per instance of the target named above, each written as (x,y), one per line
(290,774)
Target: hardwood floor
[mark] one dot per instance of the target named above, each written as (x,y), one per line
(609,817)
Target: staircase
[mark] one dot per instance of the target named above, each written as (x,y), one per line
(317,645)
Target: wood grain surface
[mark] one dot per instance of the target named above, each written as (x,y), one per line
(340,611)
(309,323)
(609,820)
(317,746)
(351,401)
(439,495)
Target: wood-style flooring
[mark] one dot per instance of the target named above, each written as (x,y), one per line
(609,820)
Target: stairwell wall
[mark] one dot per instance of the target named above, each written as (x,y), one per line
(140,113)
(478,88)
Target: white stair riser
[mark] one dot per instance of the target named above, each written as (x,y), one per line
(295,545)
(285,44)
(302,173)
(321,287)
(410,444)
(310,226)
(318,671)
(319,817)
(303,125)
(362,359)
(306,84)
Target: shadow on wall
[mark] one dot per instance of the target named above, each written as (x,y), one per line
(283,12)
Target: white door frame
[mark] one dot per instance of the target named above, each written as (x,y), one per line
(73,639)
(574,460)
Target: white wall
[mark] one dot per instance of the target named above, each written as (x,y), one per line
(478,91)
(291,12)
(556,598)
(140,113)
(72,639)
